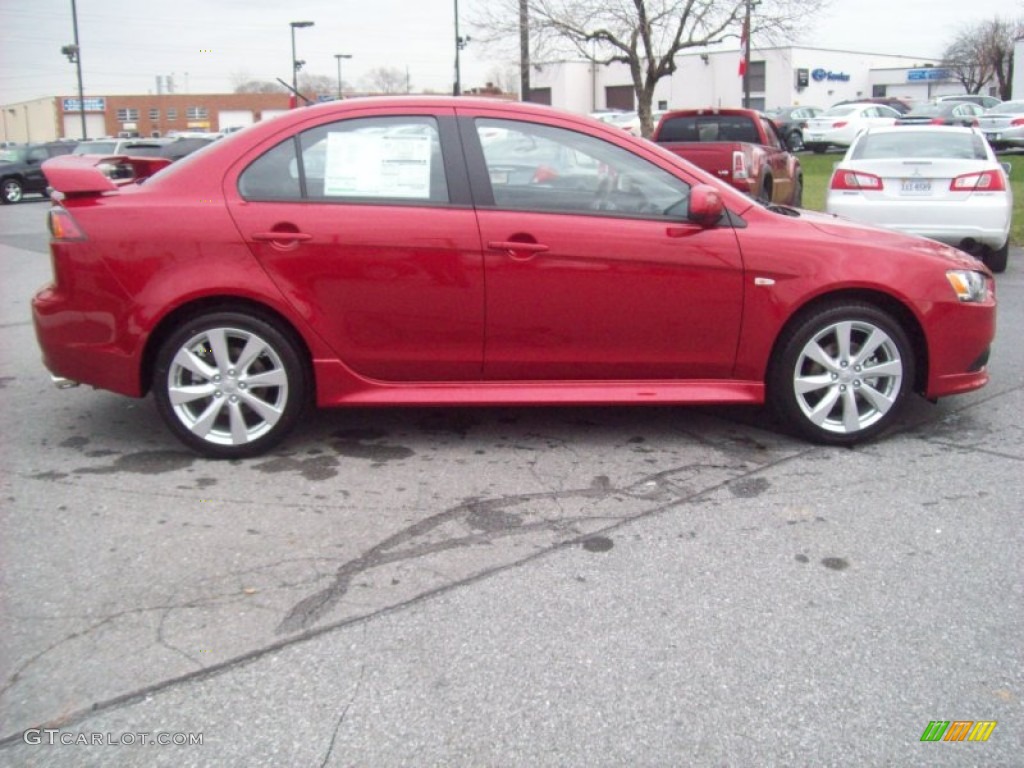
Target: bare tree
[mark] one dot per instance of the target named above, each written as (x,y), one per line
(386,80)
(505,76)
(983,52)
(645,35)
(316,85)
(243,82)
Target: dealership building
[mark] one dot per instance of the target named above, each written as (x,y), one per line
(59,117)
(778,77)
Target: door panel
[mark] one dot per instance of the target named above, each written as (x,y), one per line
(383,266)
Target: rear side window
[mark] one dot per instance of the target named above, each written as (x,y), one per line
(378,159)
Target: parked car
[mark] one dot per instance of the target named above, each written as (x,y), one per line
(109,147)
(893,102)
(21,168)
(739,146)
(627,121)
(1003,125)
(937,182)
(178,147)
(791,122)
(985,102)
(962,113)
(403,270)
(839,125)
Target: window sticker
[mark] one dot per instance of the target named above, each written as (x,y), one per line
(377,165)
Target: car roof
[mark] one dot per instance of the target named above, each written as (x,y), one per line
(944,129)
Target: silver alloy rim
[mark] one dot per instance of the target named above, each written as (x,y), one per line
(12,191)
(848,376)
(227,386)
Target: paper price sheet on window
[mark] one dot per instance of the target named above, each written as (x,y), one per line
(377,165)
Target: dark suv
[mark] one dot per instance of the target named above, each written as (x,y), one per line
(20,170)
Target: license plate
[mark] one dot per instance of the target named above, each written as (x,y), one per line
(499,177)
(916,187)
(812,137)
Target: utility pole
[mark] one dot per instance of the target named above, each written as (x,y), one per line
(524,50)
(78,65)
(746,53)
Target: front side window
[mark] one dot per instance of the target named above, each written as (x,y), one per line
(553,170)
(378,159)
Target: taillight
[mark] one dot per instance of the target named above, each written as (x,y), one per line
(857,180)
(937,121)
(975,123)
(63,226)
(739,165)
(840,124)
(1017,121)
(986,181)
(544,174)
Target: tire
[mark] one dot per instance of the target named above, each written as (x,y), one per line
(996,260)
(833,399)
(798,192)
(11,191)
(818,149)
(764,194)
(210,403)
(795,141)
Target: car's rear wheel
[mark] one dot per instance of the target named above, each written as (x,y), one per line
(11,191)
(798,192)
(230,384)
(818,149)
(842,373)
(996,260)
(795,141)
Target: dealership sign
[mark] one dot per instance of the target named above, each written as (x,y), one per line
(93,104)
(929,73)
(820,75)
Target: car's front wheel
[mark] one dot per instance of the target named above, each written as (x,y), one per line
(11,191)
(842,373)
(795,141)
(230,384)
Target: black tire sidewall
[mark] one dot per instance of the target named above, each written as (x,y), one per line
(282,344)
(780,380)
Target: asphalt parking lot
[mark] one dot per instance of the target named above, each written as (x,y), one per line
(502,586)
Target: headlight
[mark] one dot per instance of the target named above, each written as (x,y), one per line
(969,285)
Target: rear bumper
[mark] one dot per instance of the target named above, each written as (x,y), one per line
(986,221)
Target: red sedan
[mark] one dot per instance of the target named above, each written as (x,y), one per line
(440,251)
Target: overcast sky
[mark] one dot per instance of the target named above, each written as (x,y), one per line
(204,43)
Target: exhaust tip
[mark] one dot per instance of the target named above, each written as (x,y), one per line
(61,383)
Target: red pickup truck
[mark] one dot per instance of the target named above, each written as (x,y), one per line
(739,146)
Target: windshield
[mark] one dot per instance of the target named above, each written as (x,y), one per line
(95,148)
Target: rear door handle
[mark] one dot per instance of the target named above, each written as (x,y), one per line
(282,237)
(516,249)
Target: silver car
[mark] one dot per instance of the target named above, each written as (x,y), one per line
(934,181)
(1003,125)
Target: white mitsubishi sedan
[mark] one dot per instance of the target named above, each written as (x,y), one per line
(839,125)
(935,181)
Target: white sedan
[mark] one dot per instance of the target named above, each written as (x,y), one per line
(935,181)
(840,125)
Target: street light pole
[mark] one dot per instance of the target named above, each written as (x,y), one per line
(460,43)
(296,64)
(78,65)
(339,57)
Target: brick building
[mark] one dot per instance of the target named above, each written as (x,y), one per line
(59,117)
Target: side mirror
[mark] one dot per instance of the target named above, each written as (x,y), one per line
(706,205)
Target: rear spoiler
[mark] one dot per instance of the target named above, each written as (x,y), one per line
(83,175)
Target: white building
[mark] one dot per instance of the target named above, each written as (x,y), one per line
(778,77)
